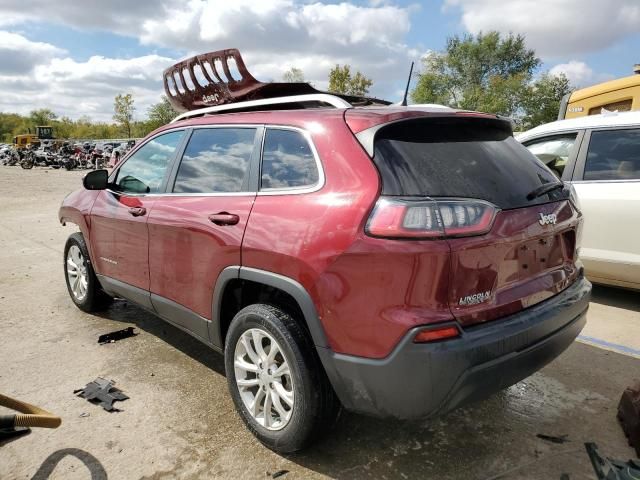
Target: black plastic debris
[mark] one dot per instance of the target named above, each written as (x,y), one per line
(553,438)
(609,469)
(103,393)
(117,335)
(629,415)
(279,473)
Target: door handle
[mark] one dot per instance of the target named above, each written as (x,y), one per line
(224,218)
(137,211)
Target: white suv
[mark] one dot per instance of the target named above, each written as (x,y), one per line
(600,156)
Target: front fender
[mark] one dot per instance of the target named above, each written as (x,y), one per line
(76,209)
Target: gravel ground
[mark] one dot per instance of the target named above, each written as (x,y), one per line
(180,421)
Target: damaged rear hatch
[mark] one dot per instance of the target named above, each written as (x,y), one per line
(509,222)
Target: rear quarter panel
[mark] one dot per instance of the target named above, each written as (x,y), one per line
(368,292)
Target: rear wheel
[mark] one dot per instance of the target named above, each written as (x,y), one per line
(82,284)
(276,380)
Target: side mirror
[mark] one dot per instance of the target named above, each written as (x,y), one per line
(96,180)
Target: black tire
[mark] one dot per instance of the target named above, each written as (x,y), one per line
(95,298)
(316,406)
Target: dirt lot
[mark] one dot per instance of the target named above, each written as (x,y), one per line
(180,421)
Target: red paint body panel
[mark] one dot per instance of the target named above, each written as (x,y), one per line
(520,262)
(118,236)
(76,209)
(187,251)
(361,119)
(368,291)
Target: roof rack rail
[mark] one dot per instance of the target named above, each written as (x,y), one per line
(313,100)
(219,81)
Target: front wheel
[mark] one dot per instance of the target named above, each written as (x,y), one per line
(82,283)
(276,380)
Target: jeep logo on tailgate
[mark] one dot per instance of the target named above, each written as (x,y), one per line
(550,219)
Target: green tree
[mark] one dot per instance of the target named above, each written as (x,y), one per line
(293,75)
(482,72)
(42,116)
(123,108)
(542,98)
(342,81)
(11,124)
(160,114)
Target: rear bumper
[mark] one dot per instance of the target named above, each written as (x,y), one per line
(423,380)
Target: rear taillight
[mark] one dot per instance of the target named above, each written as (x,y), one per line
(394,217)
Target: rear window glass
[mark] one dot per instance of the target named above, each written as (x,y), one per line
(287,161)
(453,157)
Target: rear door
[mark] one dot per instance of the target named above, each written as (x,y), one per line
(119,235)
(528,255)
(196,228)
(607,179)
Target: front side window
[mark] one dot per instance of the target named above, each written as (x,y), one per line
(553,151)
(216,160)
(145,170)
(613,155)
(287,161)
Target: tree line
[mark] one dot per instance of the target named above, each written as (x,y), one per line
(486,72)
(123,126)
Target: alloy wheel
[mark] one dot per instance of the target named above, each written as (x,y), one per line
(263,379)
(77,273)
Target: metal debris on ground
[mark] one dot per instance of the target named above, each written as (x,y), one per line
(117,335)
(103,393)
(629,415)
(609,469)
(553,438)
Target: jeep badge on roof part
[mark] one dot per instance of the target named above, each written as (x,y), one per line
(221,77)
(550,219)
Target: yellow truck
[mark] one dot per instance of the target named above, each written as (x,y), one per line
(622,94)
(43,132)
(26,140)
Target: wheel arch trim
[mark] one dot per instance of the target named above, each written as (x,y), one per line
(281,282)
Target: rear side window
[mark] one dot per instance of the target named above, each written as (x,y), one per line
(613,155)
(460,157)
(144,171)
(287,161)
(216,160)
(554,151)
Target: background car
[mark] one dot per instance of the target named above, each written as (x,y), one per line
(600,156)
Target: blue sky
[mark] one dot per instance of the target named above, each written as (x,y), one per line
(74,57)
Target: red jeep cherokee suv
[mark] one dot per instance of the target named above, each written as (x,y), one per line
(397,261)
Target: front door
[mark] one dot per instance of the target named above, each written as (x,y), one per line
(118,232)
(196,229)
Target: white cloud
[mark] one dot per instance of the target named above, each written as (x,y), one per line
(273,35)
(554,28)
(579,73)
(73,88)
(120,16)
(18,55)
